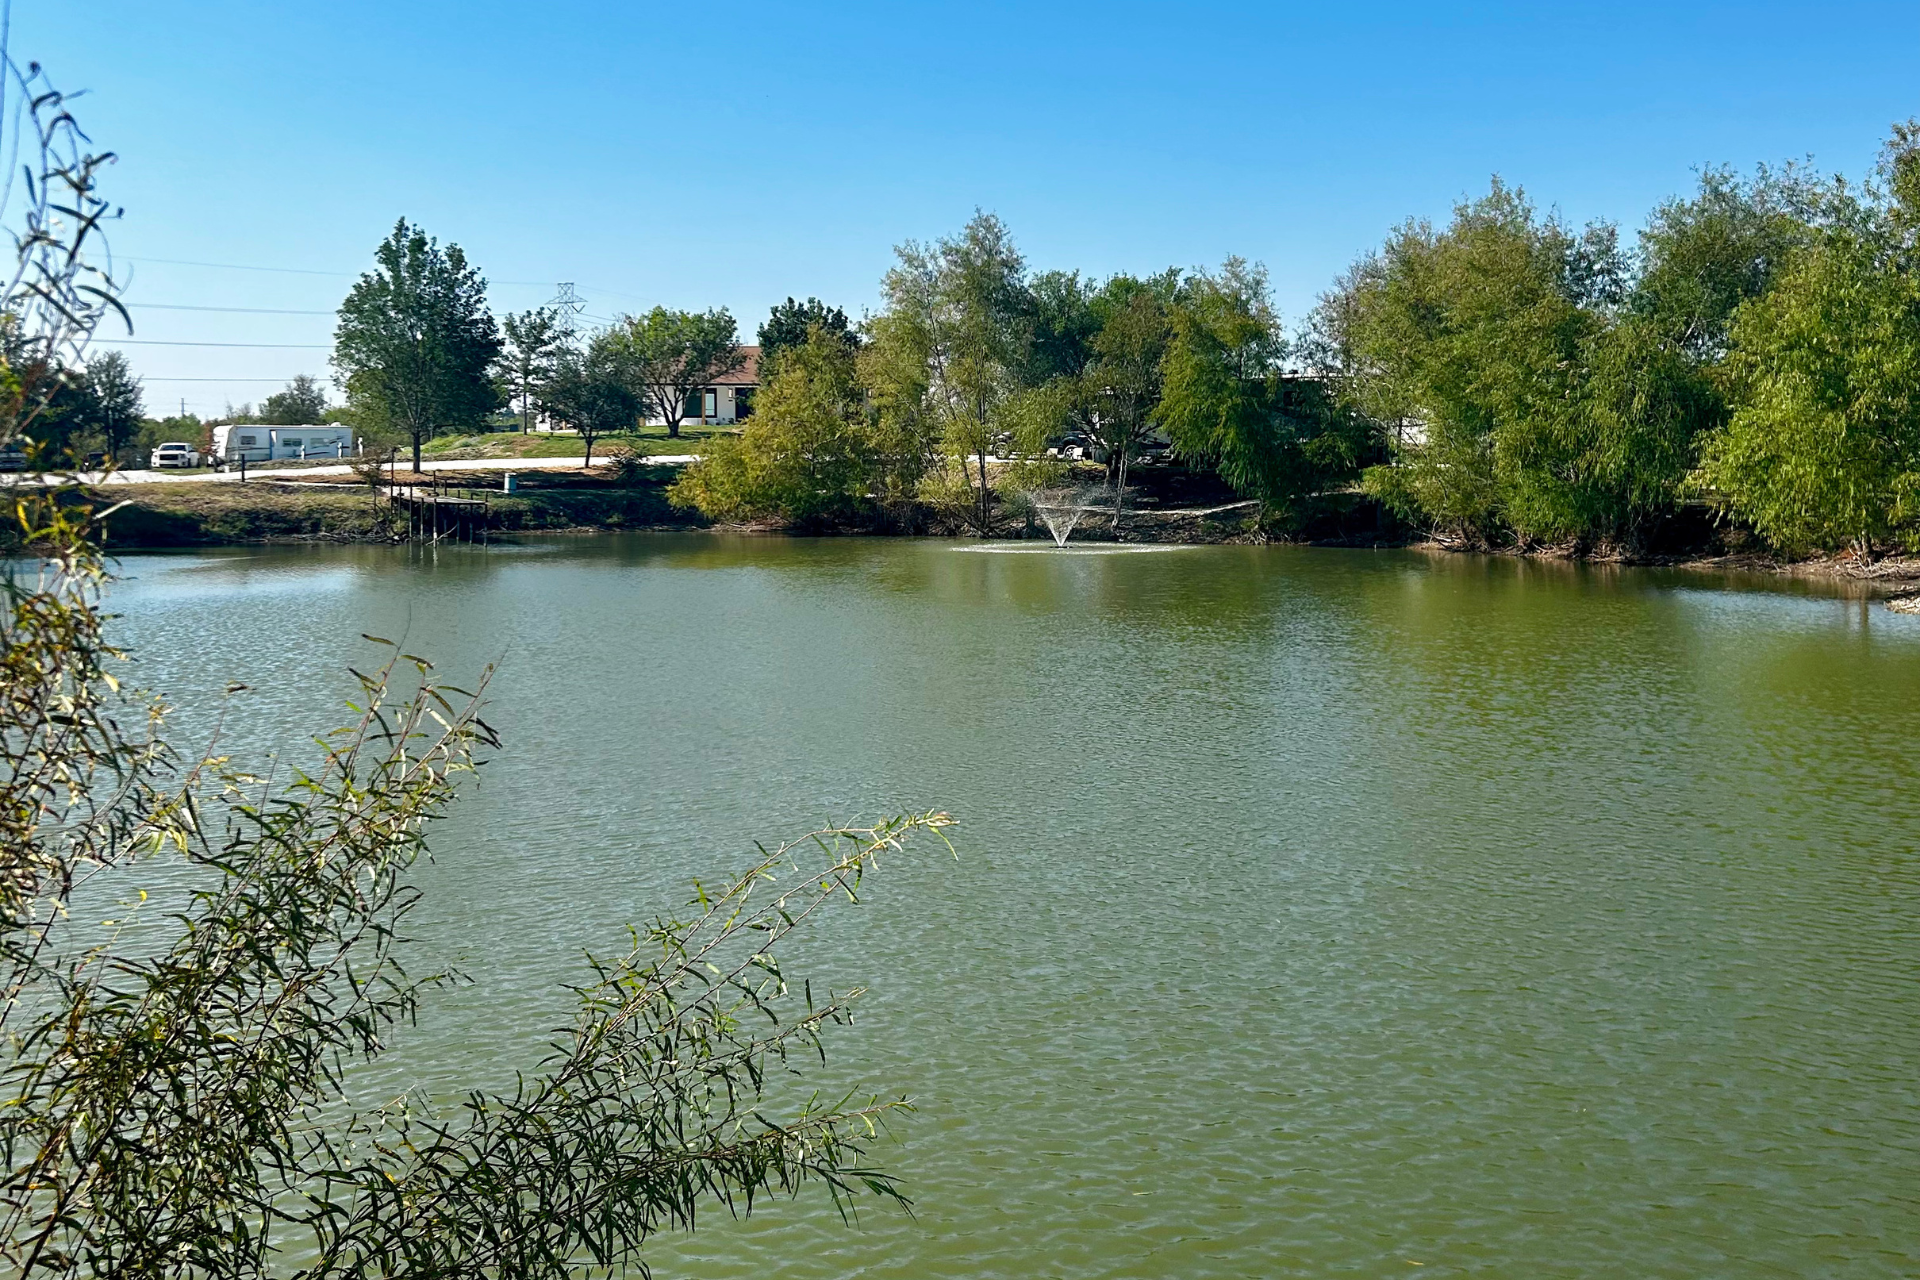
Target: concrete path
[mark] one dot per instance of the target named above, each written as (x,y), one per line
(143,476)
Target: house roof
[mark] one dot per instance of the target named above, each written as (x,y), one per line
(747,375)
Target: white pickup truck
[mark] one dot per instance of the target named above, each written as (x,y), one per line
(175,453)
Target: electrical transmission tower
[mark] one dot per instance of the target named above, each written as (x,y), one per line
(566,305)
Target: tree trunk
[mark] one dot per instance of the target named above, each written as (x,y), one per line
(416,452)
(986,510)
(589,462)
(1120,492)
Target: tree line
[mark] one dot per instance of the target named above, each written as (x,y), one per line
(950,397)
(419,353)
(1502,380)
(1757,351)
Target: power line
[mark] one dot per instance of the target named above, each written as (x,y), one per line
(238,266)
(347,275)
(144,378)
(162,342)
(254,311)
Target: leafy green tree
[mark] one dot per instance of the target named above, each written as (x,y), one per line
(791,325)
(1822,370)
(535,345)
(893,371)
(1063,324)
(1641,408)
(1823,447)
(415,344)
(1467,343)
(1097,356)
(302,403)
(593,392)
(670,355)
(1703,256)
(806,456)
(93,408)
(1899,172)
(1228,402)
(962,307)
(1123,381)
(1531,388)
(114,400)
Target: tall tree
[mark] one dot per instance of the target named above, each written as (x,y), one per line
(791,324)
(535,345)
(1125,377)
(1823,447)
(592,391)
(1228,403)
(1701,257)
(415,344)
(1064,322)
(302,403)
(1472,335)
(107,401)
(963,305)
(892,368)
(670,355)
(1095,357)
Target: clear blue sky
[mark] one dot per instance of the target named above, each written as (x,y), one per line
(700,155)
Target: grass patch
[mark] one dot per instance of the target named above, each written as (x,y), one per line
(511,444)
(186,514)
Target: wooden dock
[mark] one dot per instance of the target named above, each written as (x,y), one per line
(438,511)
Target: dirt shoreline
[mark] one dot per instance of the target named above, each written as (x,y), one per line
(1890,576)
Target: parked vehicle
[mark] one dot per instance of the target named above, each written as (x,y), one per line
(176,453)
(13,457)
(255,442)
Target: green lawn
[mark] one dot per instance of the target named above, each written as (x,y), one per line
(511,444)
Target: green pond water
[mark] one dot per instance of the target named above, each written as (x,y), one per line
(1316,913)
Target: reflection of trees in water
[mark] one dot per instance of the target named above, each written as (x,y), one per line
(1668,692)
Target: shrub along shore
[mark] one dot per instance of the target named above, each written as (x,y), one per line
(1167,504)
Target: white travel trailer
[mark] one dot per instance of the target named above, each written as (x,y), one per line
(254,442)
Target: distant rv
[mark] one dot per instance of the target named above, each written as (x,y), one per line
(253,442)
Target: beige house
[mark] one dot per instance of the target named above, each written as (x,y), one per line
(721,403)
(726,400)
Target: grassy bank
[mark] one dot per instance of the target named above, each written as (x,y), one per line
(647,442)
(189,514)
